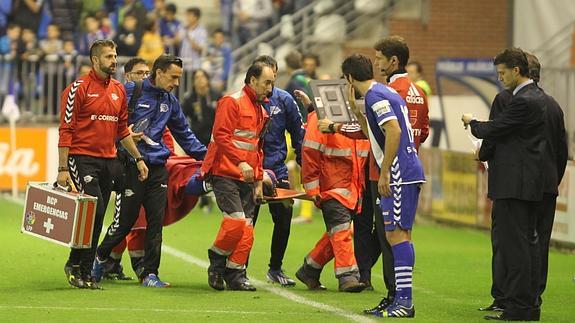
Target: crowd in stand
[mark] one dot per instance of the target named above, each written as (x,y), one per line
(61,32)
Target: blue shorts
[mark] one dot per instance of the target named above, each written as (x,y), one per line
(399,209)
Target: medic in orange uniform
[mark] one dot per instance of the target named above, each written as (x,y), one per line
(234,167)
(332,172)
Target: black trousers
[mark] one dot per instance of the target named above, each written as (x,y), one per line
(498,272)
(92,176)
(152,195)
(369,238)
(544,227)
(281,216)
(517,243)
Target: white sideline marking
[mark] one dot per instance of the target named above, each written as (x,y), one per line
(274,290)
(204,264)
(119,309)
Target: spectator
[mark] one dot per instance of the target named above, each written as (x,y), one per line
(169,28)
(52,45)
(31,49)
(131,7)
(252,18)
(27,13)
(309,64)
(415,73)
(152,46)
(194,38)
(106,25)
(68,56)
(226,15)
(127,38)
(199,106)
(66,15)
(219,60)
(91,34)
(298,79)
(9,42)
(84,69)
(5,9)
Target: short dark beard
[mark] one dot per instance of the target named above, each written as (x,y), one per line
(107,70)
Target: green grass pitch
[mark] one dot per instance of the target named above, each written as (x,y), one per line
(451,279)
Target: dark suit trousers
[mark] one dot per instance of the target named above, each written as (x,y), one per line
(497,265)
(517,243)
(545,218)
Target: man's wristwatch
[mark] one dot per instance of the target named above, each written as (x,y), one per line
(331,127)
(63,169)
(139,158)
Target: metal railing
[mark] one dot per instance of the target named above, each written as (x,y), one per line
(37,83)
(303,39)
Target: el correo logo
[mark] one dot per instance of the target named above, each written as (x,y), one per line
(20,161)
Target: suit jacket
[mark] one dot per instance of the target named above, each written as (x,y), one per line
(488,147)
(516,169)
(556,146)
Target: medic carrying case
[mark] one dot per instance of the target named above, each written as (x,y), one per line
(53,214)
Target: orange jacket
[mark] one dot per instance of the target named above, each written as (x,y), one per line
(333,165)
(236,136)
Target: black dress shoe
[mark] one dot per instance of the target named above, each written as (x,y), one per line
(492,308)
(530,316)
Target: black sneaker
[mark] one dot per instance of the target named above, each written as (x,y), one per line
(74,276)
(279,277)
(383,304)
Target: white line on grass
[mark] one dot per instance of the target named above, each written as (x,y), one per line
(130,309)
(274,290)
(204,264)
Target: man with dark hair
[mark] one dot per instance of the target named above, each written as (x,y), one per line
(233,164)
(332,174)
(169,27)
(93,115)
(400,171)
(160,108)
(135,69)
(391,56)
(517,169)
(284,115)
(555,163)
(309,64)
(556,156)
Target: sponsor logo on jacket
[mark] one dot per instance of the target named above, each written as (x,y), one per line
(413,96)
(104,117)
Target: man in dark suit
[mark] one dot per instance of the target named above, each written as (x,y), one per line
(517,190)
(487,153)
(554,168)
(555,163)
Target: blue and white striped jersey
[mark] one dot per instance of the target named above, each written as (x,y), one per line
(382,104)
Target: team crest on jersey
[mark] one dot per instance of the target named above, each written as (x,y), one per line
(163,107)
(115,96)
(381,107)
